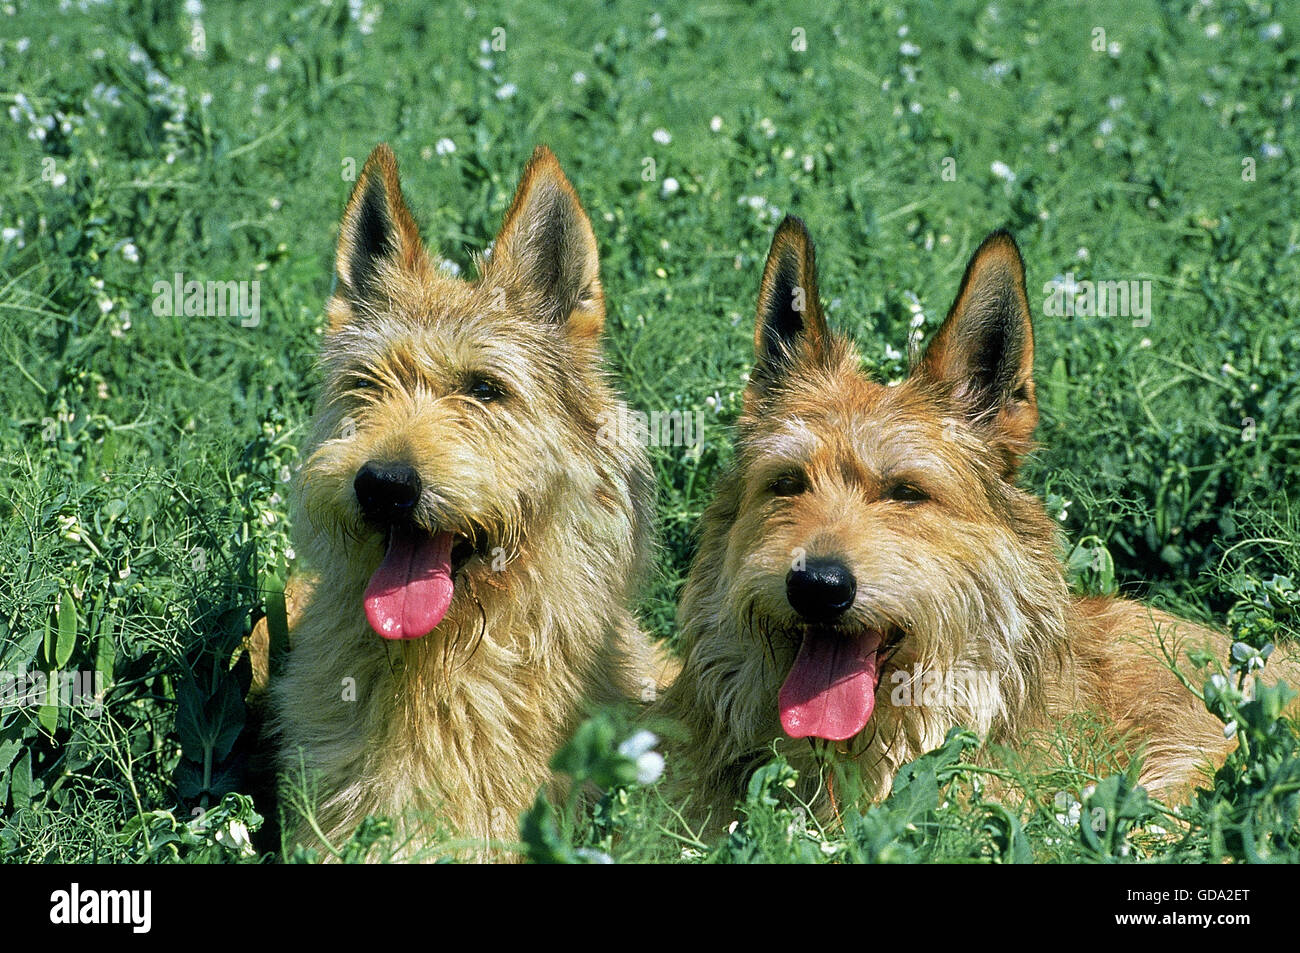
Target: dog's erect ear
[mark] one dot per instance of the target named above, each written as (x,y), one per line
(547,248)
(790,323)
(378,234)
(985,348)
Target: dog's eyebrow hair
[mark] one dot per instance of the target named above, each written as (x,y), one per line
(794,440)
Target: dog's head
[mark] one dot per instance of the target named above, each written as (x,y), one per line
(452,411)
(871,529)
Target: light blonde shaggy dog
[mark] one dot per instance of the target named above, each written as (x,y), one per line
(474,547)
(869,575)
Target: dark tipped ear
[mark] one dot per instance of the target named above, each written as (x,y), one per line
(547,248)
(378,233)
(985,348)
(790,322)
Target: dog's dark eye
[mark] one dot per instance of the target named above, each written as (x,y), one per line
(788,484)
(482,389)
(906,493)
(359,382)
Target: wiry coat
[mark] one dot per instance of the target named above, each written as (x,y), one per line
(962,574)
(458,726)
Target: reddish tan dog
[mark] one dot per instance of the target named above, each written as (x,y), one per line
(867,535)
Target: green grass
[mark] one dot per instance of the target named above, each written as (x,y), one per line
(145,457)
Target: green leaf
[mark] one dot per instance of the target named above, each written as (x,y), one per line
(540,831)
(22,785)
(209,725)
(277,621)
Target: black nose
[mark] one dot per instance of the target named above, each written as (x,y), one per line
(387,491)
(822,590)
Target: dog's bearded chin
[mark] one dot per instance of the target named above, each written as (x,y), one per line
(830,691)
(410,592)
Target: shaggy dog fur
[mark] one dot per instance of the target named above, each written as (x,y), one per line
(454,451)
(869,575)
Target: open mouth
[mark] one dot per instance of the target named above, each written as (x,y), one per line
(830,691)
(411,591)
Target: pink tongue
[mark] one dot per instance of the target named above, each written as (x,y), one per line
(410,591)
(831,690)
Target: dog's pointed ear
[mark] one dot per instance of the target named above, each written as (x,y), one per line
(378,237)
(547,248)
(790,325)
(985,348)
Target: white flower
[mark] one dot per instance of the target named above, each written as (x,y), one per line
(1270,150)
(235,836)
(1272,32)
(579,78)
(909,49)
(1072,813)
(662,136)
(638,744)
(9,234)
(1212,30)
(670,187)
(1230,729)
(716,123)
(449,267)
(131,253)
(1002,171)
(649,767)
(507,91)
(649,764)
(592,856)
(273,63)
(444,146)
